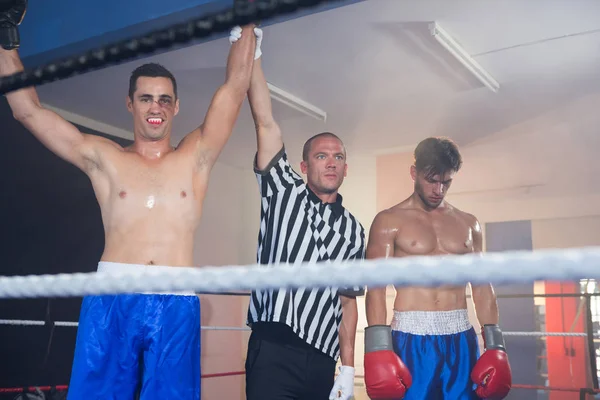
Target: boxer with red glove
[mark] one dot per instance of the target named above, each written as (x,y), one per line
(386,376)
(431,330)
(492,373)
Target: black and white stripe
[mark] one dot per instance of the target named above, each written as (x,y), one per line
(296,226)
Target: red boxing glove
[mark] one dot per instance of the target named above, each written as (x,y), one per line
(492,373)
(386,376)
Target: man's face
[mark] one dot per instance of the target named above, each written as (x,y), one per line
(431,189)
(326,166)
(153,107)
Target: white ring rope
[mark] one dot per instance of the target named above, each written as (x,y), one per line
(24,322)
(225,328)
(35,323)
(543,334)
(495,268)
(27,322)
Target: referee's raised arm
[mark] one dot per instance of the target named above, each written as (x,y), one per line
(268,133)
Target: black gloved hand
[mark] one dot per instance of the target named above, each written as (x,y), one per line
(11,15)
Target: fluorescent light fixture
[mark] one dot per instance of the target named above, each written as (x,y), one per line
(297,104)
(461,55)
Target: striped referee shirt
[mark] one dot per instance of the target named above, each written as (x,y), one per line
(295,227)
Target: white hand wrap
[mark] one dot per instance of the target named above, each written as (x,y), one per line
(343,388)
(236,33)
(259,36)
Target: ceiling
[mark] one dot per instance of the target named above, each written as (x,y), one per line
(386,84)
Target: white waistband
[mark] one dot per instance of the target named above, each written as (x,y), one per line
(108,267)
(431,322)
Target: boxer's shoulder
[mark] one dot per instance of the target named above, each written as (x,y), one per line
(395,218)
(391,215)
(406,212)
(466,217)
(95,143)
(96,150)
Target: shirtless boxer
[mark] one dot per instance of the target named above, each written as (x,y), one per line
(431,351)
(150,195)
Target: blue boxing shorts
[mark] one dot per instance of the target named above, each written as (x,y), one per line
(440,349)
(145,344)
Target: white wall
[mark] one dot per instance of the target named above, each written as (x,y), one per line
(226,236)
(566,232)
(360,189)
(217,236)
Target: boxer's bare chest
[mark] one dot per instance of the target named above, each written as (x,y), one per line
(165,186)
(434,233)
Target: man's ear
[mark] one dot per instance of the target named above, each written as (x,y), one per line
(413,172)
(303,167)
(176,107)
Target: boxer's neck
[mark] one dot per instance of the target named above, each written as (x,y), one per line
(151,150)
(418,202)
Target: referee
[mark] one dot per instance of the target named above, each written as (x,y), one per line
(298,335)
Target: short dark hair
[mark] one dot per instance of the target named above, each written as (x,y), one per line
(308,143)
(436,156)
(152,70)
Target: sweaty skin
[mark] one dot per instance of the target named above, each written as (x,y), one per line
(415,232)
(150,208)
(426,225)
(150,194)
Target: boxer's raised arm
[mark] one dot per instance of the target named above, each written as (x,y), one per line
(58,135)
(208,140)
(484,297)
(380,245)
(268,134)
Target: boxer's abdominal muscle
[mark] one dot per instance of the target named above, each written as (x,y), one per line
(151,211)
(441,233)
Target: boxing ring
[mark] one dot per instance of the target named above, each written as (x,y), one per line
(496,268)
(588,337)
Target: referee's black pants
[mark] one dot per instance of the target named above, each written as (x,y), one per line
(281,366)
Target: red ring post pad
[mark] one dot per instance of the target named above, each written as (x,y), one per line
(554,388)
(65,387)
(32,389)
